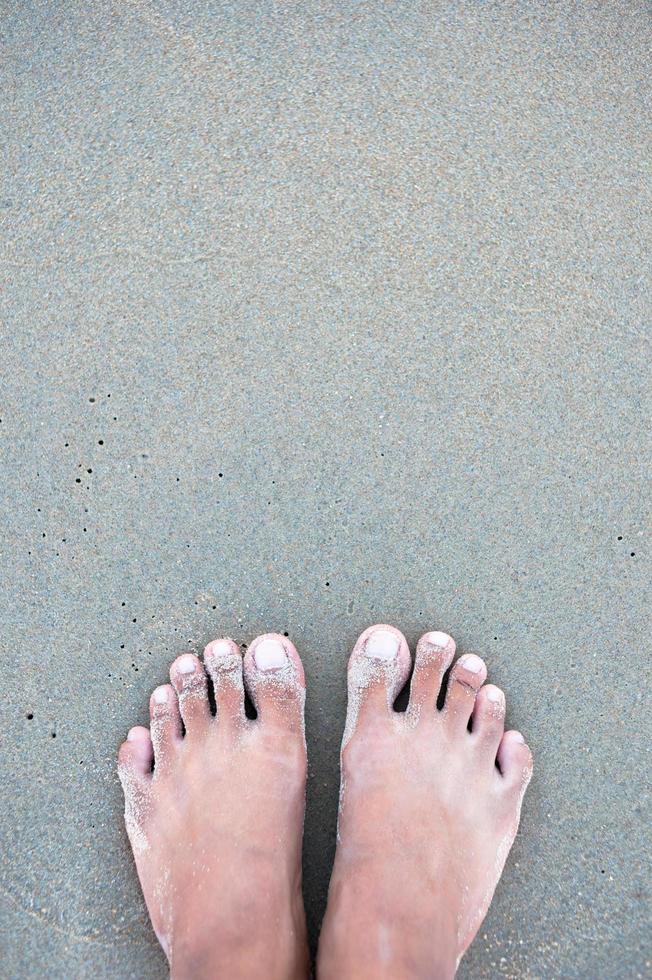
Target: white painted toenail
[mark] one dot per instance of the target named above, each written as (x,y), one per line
(186,664)
(517,737)
(270,655)
(221,648)
(160,695)
(441,640)
(471,662)
(495,694)
(133,735)
(382,645)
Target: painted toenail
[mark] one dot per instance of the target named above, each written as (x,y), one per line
(133,735)
(270,655)
(440,640)
(471,663)
(186,664)
(382,645)
(160,695)
(221,648)
(517,737)
(495,694)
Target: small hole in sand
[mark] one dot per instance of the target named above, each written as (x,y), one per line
(620,537)
(54,734)
(632,554)
(29,715)
(100,442)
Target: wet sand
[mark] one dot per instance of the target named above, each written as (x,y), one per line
(315,317)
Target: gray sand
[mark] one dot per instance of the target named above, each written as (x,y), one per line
(316,315)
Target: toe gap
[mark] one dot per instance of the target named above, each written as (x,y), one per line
(210,691)
(403,699)
(441,698)
(249,707)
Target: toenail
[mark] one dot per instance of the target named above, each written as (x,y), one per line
(133,735)
(517,737)
(442,641)
(221,648)
(495,694)
(471,663)
(160,695)
(186,664)
(382,645)
(270,655)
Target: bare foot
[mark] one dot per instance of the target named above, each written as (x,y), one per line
(216,828)
(429,811)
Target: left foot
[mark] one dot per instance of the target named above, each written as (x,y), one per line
(216,828)
(429,810)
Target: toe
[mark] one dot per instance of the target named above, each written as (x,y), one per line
(135,771)
(514,760)
(435,652)
(224,664)
(165,722)
(378,668)
(136,755)
(466,678)
(189,679)
(488,719)
(274,676)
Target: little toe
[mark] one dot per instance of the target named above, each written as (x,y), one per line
(274,677)
(488,719)
(223,662)
(189,679)
(378,668)
(135,759)
(466,678)
(435,651)
(165,723)
(514,760)
(136,755)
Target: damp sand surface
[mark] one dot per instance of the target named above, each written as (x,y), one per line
(315,318)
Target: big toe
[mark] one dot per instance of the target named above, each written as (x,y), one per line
(275,681)
(378,668)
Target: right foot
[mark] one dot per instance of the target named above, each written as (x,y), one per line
(429,811)
(216,827)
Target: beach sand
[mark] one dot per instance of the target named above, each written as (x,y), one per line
(316,316)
